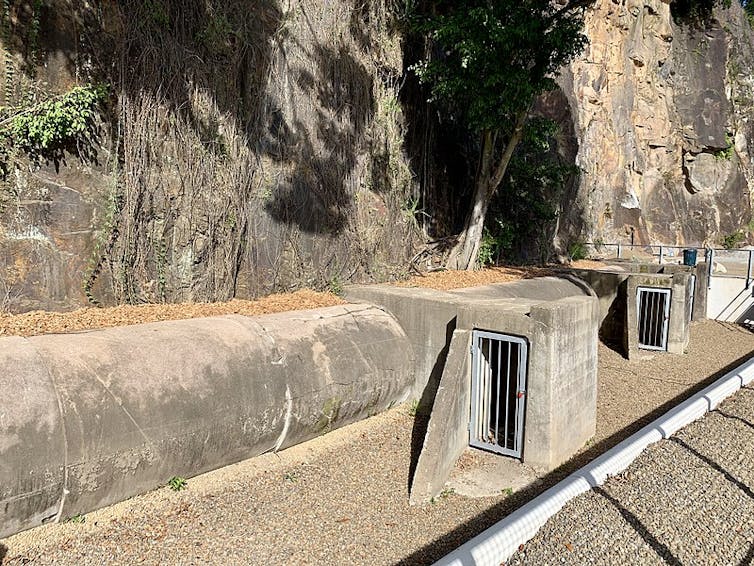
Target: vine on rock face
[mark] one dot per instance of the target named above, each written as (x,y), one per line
(45,129)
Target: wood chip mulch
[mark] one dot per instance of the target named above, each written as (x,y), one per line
(450,279)
(44,322)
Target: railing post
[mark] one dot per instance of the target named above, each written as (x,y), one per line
(660,255)
(619,250)
(748,271)
(710,264)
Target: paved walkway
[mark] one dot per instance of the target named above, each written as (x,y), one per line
(686,500)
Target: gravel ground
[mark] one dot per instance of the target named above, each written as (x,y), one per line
(686,500)
(342,498)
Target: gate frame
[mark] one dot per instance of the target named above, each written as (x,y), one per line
(666,316)
(477,358)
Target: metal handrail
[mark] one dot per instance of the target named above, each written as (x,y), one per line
(709,255)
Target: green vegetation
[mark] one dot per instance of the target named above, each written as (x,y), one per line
(749,11)
(577,251)
(218,36)
(444,494)
(522,219)
(76,519)
(157,13)
(53,123)
(413,408)
(489,248)
(727,153)
(44,130)
(335,285)
(496,58)
(177,483)
(733,240)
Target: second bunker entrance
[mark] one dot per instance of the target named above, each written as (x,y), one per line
(653,309)
(498,392)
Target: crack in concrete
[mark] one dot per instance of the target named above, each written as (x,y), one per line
(118,401)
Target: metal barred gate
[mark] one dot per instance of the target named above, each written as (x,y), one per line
(498,390)
(653,314)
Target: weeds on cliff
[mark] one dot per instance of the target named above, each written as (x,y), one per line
(733,240)
(54,123)
(726,153)
(177,483)
(413,409)
(577,251)
(77,519)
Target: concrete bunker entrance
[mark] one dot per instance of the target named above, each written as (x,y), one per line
(653,309)
(498,392)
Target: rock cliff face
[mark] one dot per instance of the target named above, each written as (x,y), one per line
(251,146)
(661,131)
(258,145)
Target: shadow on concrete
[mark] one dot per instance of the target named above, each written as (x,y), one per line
(435,550)
(427,401)
(660,549)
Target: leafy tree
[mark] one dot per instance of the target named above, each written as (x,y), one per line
(523,218)
(491,59)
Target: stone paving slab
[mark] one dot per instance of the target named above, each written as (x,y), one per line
(686,500)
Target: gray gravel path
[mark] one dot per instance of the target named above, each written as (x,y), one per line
(686,500)
(342,498)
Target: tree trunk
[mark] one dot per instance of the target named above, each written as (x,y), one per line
(465,253)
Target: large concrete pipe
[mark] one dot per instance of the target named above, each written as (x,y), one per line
(92,418)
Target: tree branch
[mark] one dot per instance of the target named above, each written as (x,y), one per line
(502,166)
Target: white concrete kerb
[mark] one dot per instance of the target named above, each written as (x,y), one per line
(501,540)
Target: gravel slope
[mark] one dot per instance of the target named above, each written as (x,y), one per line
(686,500)
(342,498)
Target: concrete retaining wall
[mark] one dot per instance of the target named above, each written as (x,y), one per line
(100,416)
(731,300)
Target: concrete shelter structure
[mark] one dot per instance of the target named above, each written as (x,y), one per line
(558,318)
(617,284)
